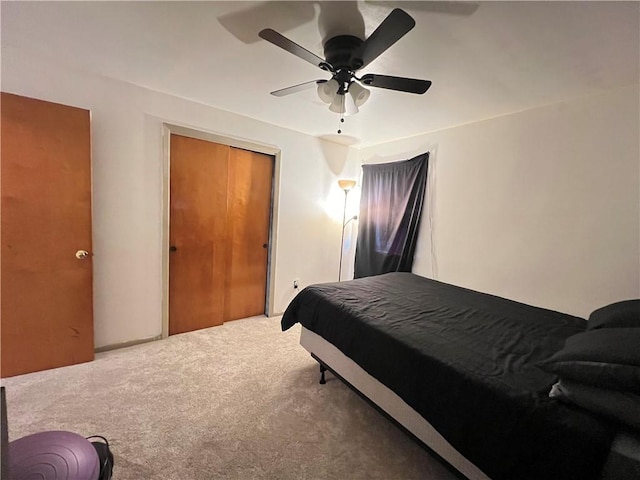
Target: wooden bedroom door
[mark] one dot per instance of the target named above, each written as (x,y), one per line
(47,309)
(220,206)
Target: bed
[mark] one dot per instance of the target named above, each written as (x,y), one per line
(459,370)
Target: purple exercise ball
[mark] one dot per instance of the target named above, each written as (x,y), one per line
(55,455)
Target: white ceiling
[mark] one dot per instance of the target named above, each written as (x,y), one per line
(484,58)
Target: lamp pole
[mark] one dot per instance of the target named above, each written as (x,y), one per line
(344,217)
(345,185)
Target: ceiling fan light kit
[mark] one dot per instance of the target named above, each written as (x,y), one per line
(359,93)
(346,54)
(344,104)
(328,90)
(337,105)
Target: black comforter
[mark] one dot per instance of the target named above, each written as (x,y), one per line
(466,361)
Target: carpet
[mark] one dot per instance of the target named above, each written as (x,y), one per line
(239,401)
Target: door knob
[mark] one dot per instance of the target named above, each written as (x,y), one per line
(82,254)
(264,245)
(173,248)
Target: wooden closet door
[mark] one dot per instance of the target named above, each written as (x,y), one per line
(47,309)
(220,208)
(250,184)
(197,233)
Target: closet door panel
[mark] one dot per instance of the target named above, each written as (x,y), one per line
(197,233)
(250,186)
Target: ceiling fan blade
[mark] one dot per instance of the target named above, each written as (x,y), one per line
(397,24)
(283,42)
(296,88)
(410,85)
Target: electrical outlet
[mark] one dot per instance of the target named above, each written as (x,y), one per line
(296,284)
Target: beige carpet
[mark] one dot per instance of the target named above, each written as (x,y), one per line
(240,401)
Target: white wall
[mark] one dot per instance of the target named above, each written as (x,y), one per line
(127,164)
(542,206)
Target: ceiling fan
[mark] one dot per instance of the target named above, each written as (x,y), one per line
(344,56)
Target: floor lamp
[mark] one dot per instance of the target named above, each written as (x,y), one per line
(346,186)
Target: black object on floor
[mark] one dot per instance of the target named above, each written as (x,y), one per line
(105,456)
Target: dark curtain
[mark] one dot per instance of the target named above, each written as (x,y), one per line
(390,209)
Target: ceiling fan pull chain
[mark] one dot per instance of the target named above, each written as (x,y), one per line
(341,121)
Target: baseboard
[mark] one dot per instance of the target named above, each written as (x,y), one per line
(130,343)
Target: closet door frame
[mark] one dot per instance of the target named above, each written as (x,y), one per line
(244,144)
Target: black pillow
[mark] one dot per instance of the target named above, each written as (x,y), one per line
(621,406)
(617,315)
(605,358)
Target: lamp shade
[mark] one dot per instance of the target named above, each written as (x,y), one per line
(350,107)
(344,104)
(346,185)
(327,90)
(359,93)
(337,105)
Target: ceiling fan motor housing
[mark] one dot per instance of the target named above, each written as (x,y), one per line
(338,52)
